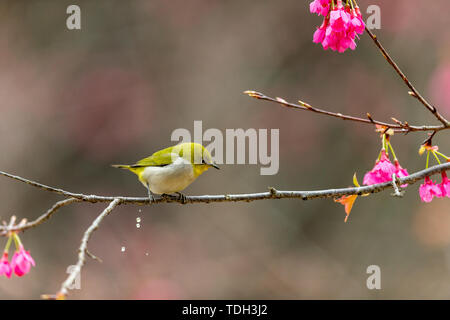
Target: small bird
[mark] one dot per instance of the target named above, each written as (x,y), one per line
(172,169)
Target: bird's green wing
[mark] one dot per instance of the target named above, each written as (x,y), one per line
(158,159)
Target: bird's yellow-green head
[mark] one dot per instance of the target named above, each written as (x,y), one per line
(196,154)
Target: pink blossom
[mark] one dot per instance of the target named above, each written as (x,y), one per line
(400,172)
(444,185)
(321,7)
(428,190)
(319,35)
(339,18)
(381,172)
(5,267)
(21,262)
(337,41)
(338,30)
(357,23)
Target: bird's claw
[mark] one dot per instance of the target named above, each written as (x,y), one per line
(151,198)
(181,197)
(165,196)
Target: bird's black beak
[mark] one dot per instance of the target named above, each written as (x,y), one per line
(215,166)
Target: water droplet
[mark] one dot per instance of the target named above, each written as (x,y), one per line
(122,249)
(138,225)
(138,219)
(140,210)
(146,253)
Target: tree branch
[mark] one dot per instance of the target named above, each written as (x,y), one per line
(272,194)
(398,126)
(414,93)
(118,200)
(4,230)
(83,251)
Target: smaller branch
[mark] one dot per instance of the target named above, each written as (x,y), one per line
(397,192)
(93,257)
(414,93)
(398,126)
(369,116)
(429,139)
(4,230)
(44,187)
(82,251)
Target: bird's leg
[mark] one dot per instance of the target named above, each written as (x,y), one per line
(151,198)
(181,197)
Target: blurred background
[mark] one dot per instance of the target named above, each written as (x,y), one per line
(73,102)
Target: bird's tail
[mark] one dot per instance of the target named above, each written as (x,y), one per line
(121,166)
(136,169)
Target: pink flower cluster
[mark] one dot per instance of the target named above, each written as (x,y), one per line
(383,171)
(341,25)
(321,7)
(429,189)
(21,261)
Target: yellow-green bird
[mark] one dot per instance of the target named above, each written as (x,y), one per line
(172,169)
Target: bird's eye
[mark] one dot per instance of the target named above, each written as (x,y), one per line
(203,161)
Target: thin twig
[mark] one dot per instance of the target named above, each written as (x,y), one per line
(93,257)
(398,126)
(4,230)
(82,251)
(397,192)
(414,93)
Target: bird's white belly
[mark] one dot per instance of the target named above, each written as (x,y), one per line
(171,178)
